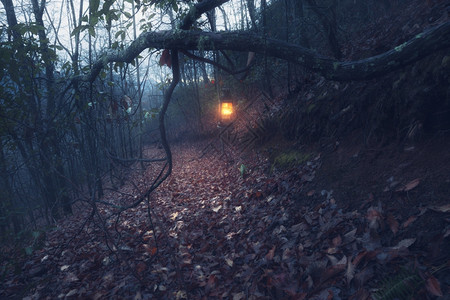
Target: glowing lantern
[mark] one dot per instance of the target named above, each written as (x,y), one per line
(226,107)
(226,110)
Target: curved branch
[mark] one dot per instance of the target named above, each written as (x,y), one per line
(133,160)
(222,67)
(420,46)
(198,10)
(162,113)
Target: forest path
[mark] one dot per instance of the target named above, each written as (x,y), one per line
(217,235)
(215,220)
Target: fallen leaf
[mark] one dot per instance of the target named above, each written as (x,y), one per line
(337,241)
(343,260)
(71,277)
(350,272)
(362,277)
(211,281)
(350,236)
(393,224)
(239,296)
(443,208)
(374,217)
(174,216)
(65,267)
(98,295)
(181,295)
(271,253)
(71,293)
(434,287)
(187,262)
(216,209)
(141,268)
(229,262)
(332,272)
(359,257)
(404,243)
(412,184)
(447,233)
(362,294)
(333,260)
(409,221)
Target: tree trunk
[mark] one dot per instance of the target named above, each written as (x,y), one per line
(59,189)
(328,21)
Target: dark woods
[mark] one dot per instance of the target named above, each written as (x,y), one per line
(75,121)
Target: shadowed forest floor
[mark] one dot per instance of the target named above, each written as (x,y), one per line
(334,227)
(348,219)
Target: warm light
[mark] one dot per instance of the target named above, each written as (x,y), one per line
(226,110)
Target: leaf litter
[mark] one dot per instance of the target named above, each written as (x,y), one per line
(231,237)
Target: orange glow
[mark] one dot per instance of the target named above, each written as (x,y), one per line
(226,110)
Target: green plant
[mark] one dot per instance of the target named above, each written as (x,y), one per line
(243,170)
(37,242)
(289,159)
(402,286)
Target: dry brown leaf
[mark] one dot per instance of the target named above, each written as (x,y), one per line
(229,262)
(362,294)
(332,250)
(393,224)
(434,287)
(412,184)
(165,58)
(350,236)
(211,281)
(404,243)
(65,267)
(332,272)
(216,209)
(239,296)
(447,233)
(359,257)
(363,276)
(443,208)
(350,272)
(141,267)
(374,217)
(271,253)
(337,241)
(71,293)
(343,260)
(71,277)
(173,216)
(181,295)
(333,260)
(409,221)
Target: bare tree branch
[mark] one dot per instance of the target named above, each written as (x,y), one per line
(209,61)
(420,46)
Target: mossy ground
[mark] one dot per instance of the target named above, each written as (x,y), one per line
(289,159)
